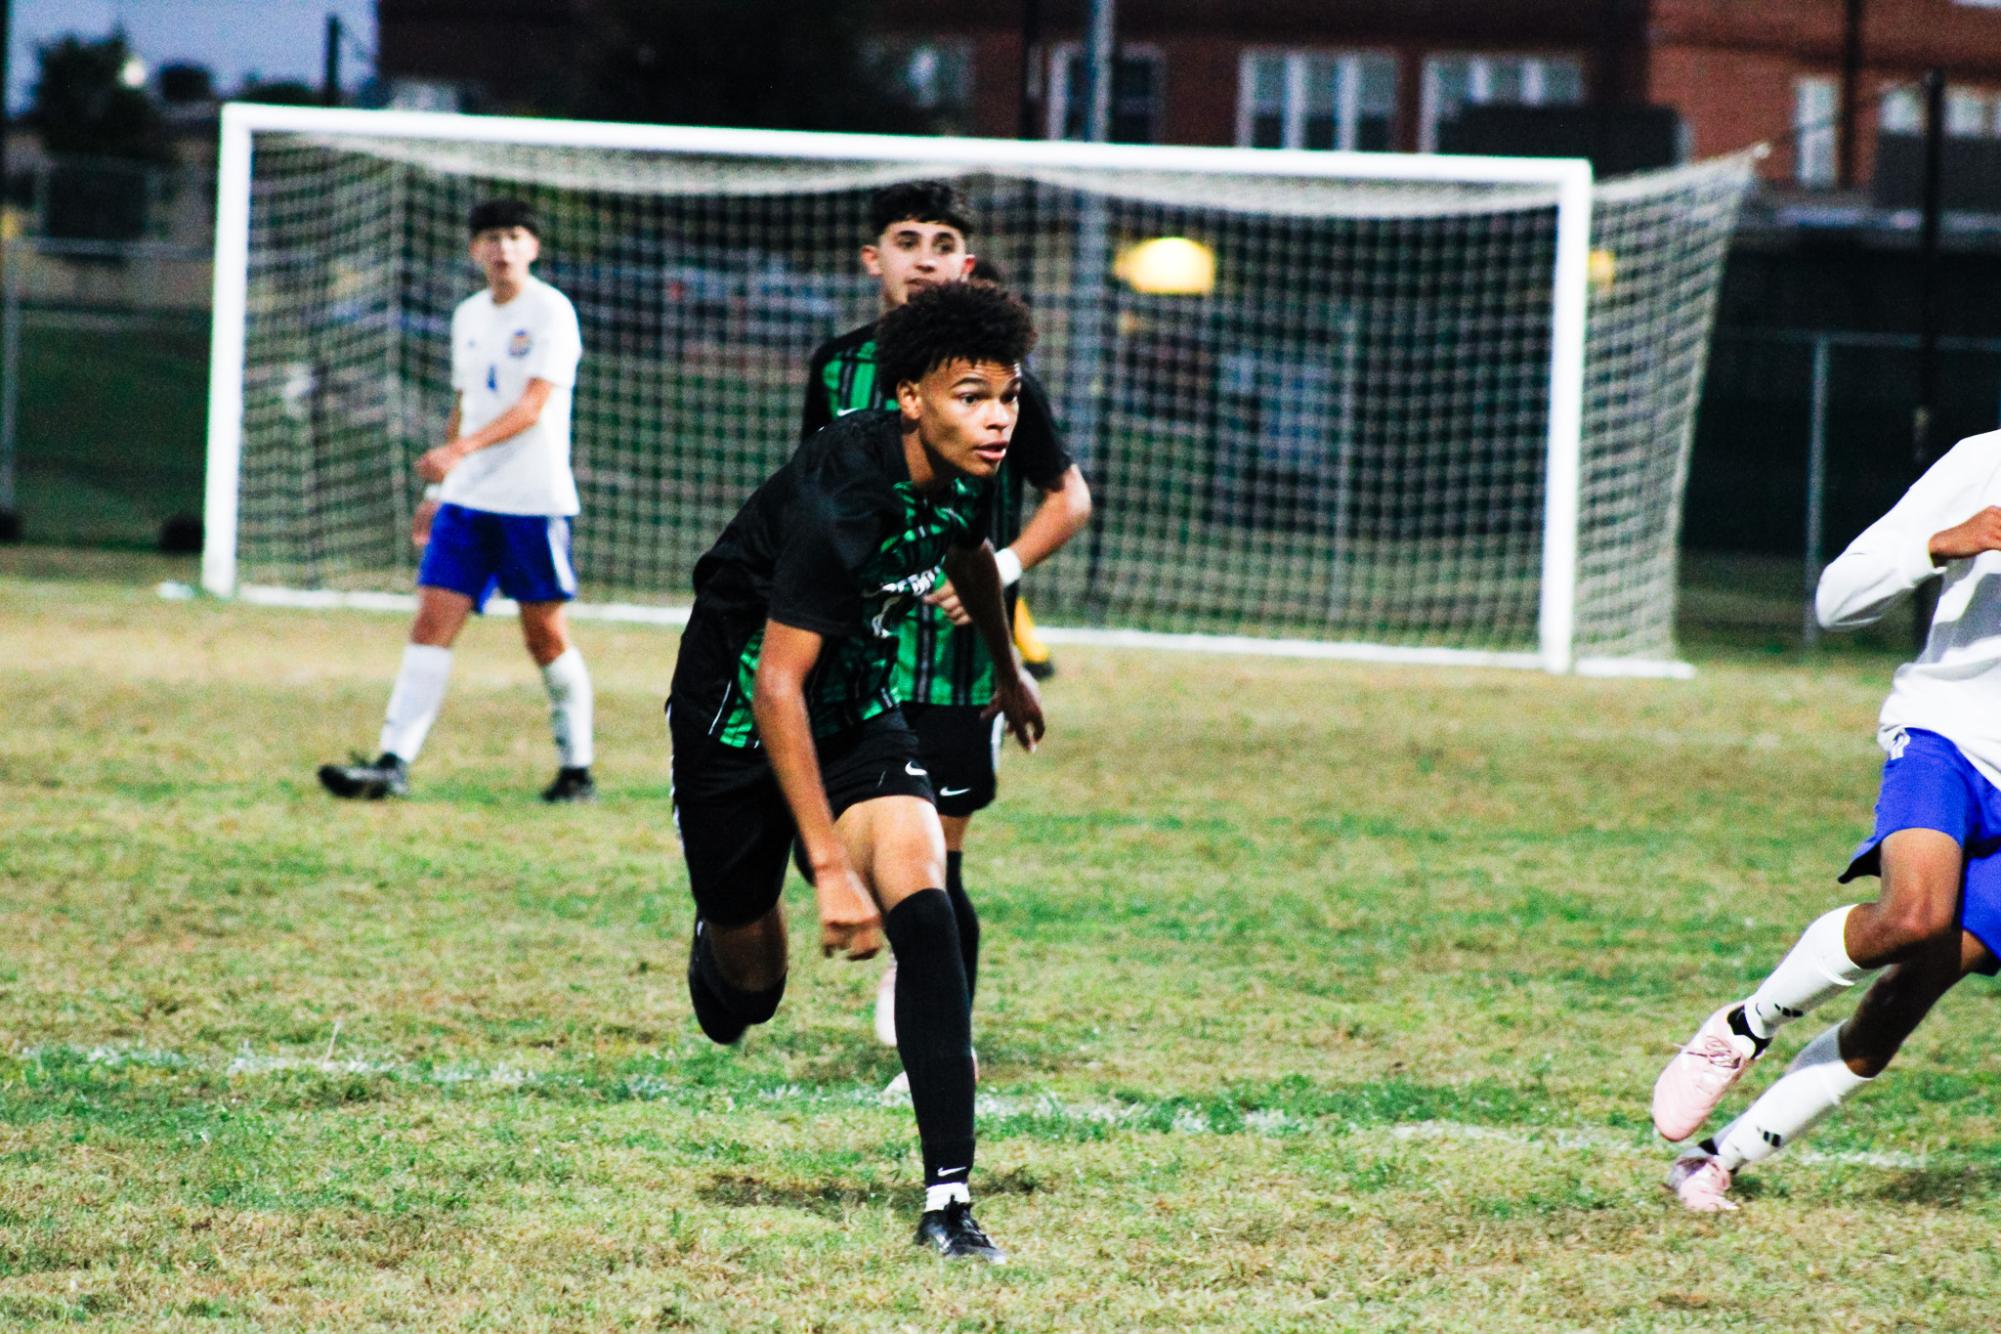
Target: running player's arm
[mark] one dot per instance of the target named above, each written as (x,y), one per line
(1946,515)
(977,579)
(848,919)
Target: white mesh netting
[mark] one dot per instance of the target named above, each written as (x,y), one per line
(1345,439)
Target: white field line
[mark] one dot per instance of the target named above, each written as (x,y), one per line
(1264,1123)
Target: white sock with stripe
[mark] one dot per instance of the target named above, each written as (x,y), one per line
(416,699)
(1815,969)
(571,708)
(1814,1084)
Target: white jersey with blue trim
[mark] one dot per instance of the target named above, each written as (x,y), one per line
(496,351)
(1954,686)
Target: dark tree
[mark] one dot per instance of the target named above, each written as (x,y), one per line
(765,64)
(106,138)
(184,84)
(83,107)
(279,92)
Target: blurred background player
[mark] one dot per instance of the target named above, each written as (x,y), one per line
(1936,844)
(944,679)
(785,729)
(505,499)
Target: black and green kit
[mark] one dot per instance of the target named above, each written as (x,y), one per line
(937,662)
(838,542)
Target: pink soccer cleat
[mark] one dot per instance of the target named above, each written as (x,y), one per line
(1699,1075)
(1701,1183)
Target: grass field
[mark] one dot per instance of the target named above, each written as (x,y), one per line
(1316,997)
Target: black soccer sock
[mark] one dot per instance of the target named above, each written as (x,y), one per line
(968,922)
(746,1007)
(934,1032)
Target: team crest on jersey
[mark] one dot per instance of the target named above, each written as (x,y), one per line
(520,344)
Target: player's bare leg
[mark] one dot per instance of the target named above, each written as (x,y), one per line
(546,632)
(414,701)
(897,847)
(1828,1070)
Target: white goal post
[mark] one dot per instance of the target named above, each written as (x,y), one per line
(1416,408)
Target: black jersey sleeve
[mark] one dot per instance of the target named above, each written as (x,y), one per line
(1037,452)
(816,583)
(817,413)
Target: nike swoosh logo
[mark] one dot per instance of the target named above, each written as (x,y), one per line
(910,767)
(950,1171)
(953,791)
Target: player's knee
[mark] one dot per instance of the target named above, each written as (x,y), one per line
(922,924)
(1917,921)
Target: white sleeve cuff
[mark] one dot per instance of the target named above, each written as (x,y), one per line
(1921,566)
(1010,566)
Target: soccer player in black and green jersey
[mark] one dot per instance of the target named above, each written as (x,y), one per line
(944,674)
(784,725)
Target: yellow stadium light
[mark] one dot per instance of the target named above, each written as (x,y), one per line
(1168,266)
(1603,268)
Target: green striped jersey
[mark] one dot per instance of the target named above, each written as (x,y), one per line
(838,542)
(936,661)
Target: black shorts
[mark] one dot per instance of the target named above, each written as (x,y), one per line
(962,751)
(736,830)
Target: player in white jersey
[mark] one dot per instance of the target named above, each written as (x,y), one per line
(498,514)
(1936,843)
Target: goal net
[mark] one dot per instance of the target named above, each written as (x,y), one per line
(1401,407)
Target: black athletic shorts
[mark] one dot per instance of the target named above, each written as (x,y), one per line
(736,830)
(962,751)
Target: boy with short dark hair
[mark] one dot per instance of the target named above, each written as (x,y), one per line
(499,509)
(785,726)
(919,242)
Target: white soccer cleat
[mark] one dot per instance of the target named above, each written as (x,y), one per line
(885,1006)
(1701,1183)
(1699,1075)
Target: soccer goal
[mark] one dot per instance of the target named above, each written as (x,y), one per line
(1411,408)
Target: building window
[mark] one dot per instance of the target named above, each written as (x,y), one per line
(1316,99)
(1816,106)
(1903,112)
(1453,83)
(1968,114)
(1136,94)
(938,76)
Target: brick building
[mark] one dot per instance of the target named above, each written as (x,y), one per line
(1365,74)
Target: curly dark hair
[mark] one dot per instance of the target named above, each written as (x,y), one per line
(502,213)
(968,321)
(919,201)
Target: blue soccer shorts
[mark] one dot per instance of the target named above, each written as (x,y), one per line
(1929,784)
(526,556)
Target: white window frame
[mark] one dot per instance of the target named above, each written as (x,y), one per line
(1298,61)
(1057,104)
(1534,66)
(1816,130)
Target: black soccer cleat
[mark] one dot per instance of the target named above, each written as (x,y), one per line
(952,1233)
(387,777)
(718,1024)
(571,785)
(1039,668)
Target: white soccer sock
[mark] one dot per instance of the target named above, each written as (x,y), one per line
(1813,970)
(1814,1084)
(937,1197)
(414,703)
(570,708)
